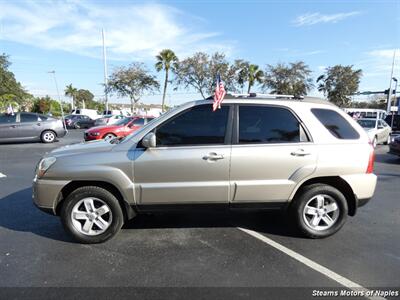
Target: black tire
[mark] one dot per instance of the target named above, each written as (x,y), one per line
(77,125)
(48,136)
(92,192)
(304,196)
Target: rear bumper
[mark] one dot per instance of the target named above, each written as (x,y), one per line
(61,132)
(363,185)
(47,193)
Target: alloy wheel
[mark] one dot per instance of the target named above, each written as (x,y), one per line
(321,212)
(91,216)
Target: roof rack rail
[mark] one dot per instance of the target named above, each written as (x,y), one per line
(270,96)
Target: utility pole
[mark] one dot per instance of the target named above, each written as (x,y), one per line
(59,97)
(105,69)
(389,99)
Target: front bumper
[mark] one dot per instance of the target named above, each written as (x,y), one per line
(47,193)
(89,137)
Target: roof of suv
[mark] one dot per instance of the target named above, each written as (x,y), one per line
(277,97)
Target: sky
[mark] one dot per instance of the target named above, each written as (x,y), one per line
(65,36)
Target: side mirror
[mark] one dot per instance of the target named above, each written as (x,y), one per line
(380,127)
(149,140)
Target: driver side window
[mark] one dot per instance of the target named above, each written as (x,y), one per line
(198,125)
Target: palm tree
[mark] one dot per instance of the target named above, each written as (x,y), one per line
(250,73)
(70,91)
(165,61)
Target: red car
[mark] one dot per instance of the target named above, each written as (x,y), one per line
(122,128)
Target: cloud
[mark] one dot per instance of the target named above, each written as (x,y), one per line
(309,19)
(378,63)
(133,31)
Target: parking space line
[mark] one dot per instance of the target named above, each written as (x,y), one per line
(2,175)
(313,265)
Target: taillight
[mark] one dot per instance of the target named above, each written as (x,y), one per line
(371,160)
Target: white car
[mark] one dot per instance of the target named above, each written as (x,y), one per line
(377,130)
(108,120)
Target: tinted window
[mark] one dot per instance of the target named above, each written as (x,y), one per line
(196,126)
(335,123)
(28,118)
(6,118)
(264,124)
(396,121)
(365,123)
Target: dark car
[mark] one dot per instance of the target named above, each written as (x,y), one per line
(79,121)
(394,147)
(25,126)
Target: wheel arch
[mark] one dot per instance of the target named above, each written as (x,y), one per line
(128,210)
(338,183)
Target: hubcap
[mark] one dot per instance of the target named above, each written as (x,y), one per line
(48,136)
(109,137)
(91,216)
(321,212)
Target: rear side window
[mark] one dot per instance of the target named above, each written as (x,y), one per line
(25,118)
(338,126)
(268,124)
(138,122)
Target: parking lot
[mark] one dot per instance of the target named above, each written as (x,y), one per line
(195,250)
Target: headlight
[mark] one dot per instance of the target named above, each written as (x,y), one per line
(44,165)
(95,133)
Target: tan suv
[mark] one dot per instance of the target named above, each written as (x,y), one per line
(258,151)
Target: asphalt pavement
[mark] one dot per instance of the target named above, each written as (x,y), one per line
(195,252)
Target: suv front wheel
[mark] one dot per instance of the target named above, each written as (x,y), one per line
(319,210)
(91,215)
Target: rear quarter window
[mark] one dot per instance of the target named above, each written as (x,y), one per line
(337,125)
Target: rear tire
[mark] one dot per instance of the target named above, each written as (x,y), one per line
(319,210)
(48,136)
(91,214)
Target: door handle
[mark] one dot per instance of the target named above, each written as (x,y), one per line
(38,124)
(300,152)
(213,156)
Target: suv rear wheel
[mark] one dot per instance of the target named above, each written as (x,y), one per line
(91,215)
(319,210)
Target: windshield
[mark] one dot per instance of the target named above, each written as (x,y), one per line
(367,123)
(123,121)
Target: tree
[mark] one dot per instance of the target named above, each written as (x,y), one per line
(338,83)
(293,79)
(249,73)
(85,97)
(166,60)
(11,91)
(71,92)
(200,71)
(132,81)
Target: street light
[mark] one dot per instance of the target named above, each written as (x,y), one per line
(59,98)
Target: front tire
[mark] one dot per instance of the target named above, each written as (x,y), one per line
(91,215)
(319,210)
(387,140)
(109,136)
(48,136)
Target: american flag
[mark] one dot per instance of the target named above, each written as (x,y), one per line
(10,110)
(219,93)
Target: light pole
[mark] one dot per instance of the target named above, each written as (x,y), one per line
(105,69)
(59,98)
(395,89)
